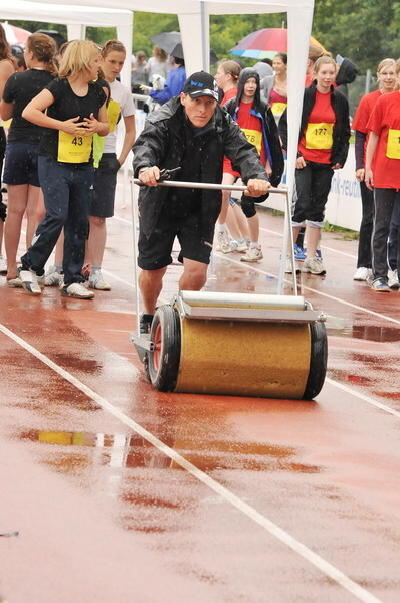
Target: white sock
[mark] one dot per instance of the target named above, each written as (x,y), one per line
(221,227)
(254,244)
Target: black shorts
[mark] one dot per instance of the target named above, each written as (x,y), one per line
(20,166)
(155,251)
(105,183)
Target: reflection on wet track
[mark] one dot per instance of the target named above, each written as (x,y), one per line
(123,493)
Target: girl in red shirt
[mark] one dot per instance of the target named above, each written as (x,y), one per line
(387,79)
(323,147)
(278,94)
(382,173)
(227,79)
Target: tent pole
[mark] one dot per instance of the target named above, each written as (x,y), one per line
(205,50)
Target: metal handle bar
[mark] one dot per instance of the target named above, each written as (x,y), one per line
(208,186)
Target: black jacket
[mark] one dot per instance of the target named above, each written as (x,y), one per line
(270,132)
(168,141)
(341,129)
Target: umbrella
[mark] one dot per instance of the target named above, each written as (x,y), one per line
(265,43)
(171,42)
(15,35)
(167,40)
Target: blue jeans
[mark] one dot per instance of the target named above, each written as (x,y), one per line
(67,189)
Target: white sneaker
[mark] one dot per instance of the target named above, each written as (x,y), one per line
(53,278)
(362,274)
(3,265)
(14,282)
(77,290)
(288,266)
(242,246)
(223,242)
(253,254)
(97,281)
(29,281)
(314,265)
(393,279)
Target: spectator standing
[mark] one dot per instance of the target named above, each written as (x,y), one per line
(121,105)
(157,64)
(174,83)
(258,125)
(21,170)
(75,108)
(382,174)
(387,79)
(278,94)
(323,147)
(7,68)
(227,77)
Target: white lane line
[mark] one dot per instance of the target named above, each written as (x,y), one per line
(364,397)
(284,537)
(323,246)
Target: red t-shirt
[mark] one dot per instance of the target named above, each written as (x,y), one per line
(385,122)
(277,103)
(252,128)
(316,144)
(363,113)
(228,95)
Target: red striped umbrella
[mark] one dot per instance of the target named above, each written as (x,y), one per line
(265,43)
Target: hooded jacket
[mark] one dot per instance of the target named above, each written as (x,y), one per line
(341,129)
(169,141)
(269,129)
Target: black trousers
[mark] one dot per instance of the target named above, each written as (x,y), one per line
(67,189)
(385,200)
(367,222)
(313,184)
(394,233)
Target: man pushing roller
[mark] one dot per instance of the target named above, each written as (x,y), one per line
(190,132)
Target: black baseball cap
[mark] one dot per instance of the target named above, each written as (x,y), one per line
(201,83)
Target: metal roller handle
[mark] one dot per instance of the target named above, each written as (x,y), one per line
(209,186)
(287,247)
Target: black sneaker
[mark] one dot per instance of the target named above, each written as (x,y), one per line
(145,323)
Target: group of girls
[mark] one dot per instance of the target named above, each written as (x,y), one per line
(377,128)
(322,148)
(57,118)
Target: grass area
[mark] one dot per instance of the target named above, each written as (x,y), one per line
(346,233)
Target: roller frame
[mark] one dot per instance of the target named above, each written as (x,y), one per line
(256,308)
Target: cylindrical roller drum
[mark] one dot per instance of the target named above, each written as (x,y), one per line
(237,357)
(244,358)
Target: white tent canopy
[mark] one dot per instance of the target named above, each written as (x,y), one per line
(76,19)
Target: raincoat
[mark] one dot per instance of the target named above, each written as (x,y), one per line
(164,142)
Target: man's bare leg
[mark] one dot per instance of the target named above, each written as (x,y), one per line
(194,275)
(150,283)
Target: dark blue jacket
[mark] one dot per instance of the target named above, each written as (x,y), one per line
(173,86)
